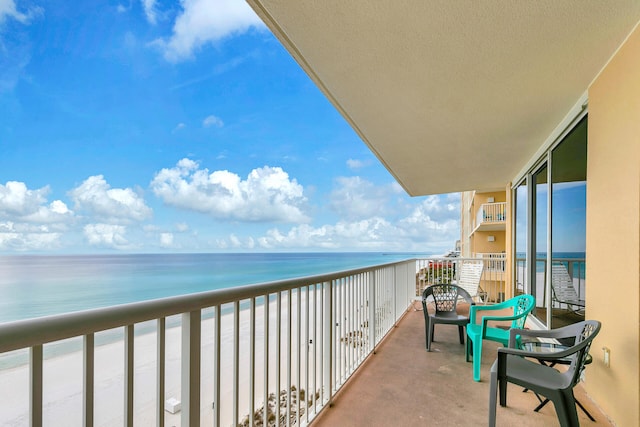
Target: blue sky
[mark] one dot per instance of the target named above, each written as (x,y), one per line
(152,126)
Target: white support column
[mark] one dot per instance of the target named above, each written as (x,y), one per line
(191,326)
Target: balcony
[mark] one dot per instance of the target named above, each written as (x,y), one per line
(302,345)
(404,385)
(491,217)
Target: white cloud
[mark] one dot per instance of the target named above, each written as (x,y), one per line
(357,164)
(149,7)
(17,199)
(29,222)
(179,127)
(182,227)
(266,195)
(356,198)
(107,236)
(212,121)
(21,237)
(370,234)
(166,240)
(8,9)
(21,204)
(431,226)
(206,22)
(113,205)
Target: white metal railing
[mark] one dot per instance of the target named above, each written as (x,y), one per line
(446,270)
(491,213)
(278,351)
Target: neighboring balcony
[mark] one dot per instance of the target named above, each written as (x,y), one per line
(491,217)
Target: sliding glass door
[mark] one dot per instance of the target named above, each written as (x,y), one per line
(569,201)
(539,242)
(550,230)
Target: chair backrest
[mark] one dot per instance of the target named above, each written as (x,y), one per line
(582,334)
(522,306)
(445,297)
(470,274)
(562,284)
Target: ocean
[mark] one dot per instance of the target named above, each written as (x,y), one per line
(38,285)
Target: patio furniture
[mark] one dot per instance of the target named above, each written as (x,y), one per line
(547,347)
(469,278)
(512,367)
(445,298)
(562,289)
(517,307)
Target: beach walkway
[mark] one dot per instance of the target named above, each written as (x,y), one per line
(404,385)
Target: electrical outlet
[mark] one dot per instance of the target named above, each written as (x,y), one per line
(607,356)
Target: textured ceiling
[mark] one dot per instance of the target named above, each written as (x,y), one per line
(451,95)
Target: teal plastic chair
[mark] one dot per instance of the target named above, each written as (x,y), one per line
(520,307)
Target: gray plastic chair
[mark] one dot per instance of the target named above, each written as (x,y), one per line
(446,298)
(512,367)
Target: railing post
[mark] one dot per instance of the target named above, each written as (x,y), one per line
(395,295)
(236,361)
(88,379)
(35,390)
(372,310)
(128,374)
(217,344)
(191,325)
(160,374)
(329,325)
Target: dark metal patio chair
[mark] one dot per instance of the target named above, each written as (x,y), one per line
(445,297)
(511,366)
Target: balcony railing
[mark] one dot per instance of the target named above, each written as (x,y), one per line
(490,213)
(446,270)
(273,353)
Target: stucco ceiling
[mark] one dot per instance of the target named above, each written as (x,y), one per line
(452,95)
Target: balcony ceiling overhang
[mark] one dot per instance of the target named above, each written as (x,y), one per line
(451,95)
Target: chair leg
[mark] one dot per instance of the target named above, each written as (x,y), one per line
(430,337)
(569,403)
(461,333)
(492,394)
(565,407)
(468,348)
(502,388)
(477,358)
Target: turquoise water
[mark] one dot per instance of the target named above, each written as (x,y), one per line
(34,286)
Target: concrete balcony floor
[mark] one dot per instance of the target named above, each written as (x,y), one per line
(404,385)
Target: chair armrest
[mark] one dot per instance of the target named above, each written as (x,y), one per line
(551,355)
(539,333)
(486,319)
(474,309)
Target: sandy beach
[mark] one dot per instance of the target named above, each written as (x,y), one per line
(63,375)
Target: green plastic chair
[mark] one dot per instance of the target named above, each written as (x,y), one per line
(521,306)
